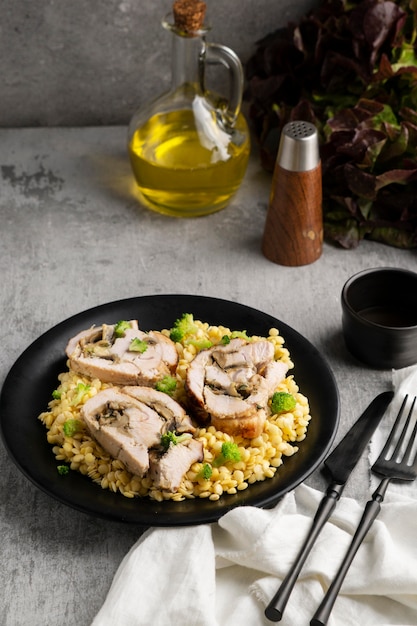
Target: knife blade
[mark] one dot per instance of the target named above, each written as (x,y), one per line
(339,465)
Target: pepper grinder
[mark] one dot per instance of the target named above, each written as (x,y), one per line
(293,233)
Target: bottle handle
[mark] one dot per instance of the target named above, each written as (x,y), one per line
(217,53)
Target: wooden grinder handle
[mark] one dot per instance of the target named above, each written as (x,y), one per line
(293,233)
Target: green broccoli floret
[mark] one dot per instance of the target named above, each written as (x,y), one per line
(225,340)
(171,439)
(182,327)
(205,472)
(63,470)
(72,426)
(241,334)
(200,344)
(56,394)
(121,327)
(230,452)
(80,390)
(167,384)
(138,345)
(281,402)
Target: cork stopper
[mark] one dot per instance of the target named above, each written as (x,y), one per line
(189,15)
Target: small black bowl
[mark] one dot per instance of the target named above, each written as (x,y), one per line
(379,317)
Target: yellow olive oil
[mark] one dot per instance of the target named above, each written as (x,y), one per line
(180,174)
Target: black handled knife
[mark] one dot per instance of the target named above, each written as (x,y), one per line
(339,465)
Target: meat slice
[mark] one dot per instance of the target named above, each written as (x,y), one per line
(99,353)
(168,469)
(95,334)
(124,427)
(194,385)
(229,386)
(239,353)
(172,414)
(129,422)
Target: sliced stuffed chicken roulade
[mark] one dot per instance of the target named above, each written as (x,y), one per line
(128,423)
(122,354)
(229,386)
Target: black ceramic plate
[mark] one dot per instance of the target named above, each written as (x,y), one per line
(29,384)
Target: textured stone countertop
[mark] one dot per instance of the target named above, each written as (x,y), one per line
(73,236)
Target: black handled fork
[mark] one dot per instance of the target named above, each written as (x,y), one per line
(398,460)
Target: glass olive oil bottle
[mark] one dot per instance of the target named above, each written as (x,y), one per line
(189,149)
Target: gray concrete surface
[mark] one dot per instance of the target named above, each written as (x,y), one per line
(89,62)
(73,236)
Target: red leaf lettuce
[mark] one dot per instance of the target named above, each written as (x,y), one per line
(351,69)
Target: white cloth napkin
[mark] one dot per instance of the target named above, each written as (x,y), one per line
(224,574)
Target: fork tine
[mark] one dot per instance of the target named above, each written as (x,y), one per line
(409,449)
(393,432)
(401,438)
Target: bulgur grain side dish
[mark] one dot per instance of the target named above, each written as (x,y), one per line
(224,458)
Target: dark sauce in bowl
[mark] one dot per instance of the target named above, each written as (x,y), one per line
(390,316)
